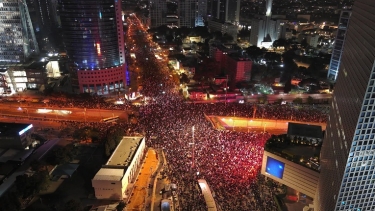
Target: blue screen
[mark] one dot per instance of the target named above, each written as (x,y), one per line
(275,167)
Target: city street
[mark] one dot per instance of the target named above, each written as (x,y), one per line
(74,114)
(259,125)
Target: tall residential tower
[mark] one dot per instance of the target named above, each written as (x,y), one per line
(94,40)
(347,176)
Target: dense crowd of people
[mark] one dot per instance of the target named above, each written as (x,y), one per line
(229,161)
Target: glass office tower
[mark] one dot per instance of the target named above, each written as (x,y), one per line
(347,179)
(338,47)
(93,36)
(17,36)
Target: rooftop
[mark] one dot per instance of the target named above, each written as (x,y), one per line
(12,129)
(304,153)
(124,152)
(109,174)
(304,130)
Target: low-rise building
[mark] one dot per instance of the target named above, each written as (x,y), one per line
(15,135)
(113,179)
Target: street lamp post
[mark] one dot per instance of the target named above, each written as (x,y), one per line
(248,125)
(85,114)
(193,148)
(264,127)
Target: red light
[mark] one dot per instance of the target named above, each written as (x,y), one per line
(98,49)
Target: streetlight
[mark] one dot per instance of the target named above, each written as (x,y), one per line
(85,114)
(264,127)
(248,125)
(193,143)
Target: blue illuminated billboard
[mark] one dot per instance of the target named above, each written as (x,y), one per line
(275,167)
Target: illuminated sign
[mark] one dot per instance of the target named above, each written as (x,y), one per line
(275,167)
(98,49)
(26,129)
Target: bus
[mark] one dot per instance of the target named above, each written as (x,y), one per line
(110,119)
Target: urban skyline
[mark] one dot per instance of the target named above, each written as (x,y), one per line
(248,101)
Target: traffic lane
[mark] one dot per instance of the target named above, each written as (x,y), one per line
(265,124)
(62,114)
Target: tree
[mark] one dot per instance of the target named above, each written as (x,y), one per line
(120,206)
(262,99)
(184,79)
(279,43)
(28,186)
(63,155)
(297,100)
(310,100)
(10,202)
(35,165)
(226,38)
(72,205)
(279,101)
(254,52)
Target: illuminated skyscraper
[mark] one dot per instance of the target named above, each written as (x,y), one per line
(264,31)
(347,175)
(94,40)
(16,32)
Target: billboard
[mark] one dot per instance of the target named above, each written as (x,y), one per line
(275,167)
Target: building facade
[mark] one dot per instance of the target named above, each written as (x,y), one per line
(347,156)
(338,46)
(15,135)
(17,35)
(265,30)
(232,12)
(187,12)
(158,13)
(112,180)
(94,40)
(201,13)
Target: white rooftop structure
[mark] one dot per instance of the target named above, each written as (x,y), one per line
(109,174)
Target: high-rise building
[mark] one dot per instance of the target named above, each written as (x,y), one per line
(232,12)
(17,35)
(266,30)
(94,40)
(158,13)
(43,14)
(338,46)
(201,12)
(224,10)
(186,10)
(347,157)
(189,10)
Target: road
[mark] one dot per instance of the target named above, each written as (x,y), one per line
(74,114)
(37,155)
(259,125)
(270,98)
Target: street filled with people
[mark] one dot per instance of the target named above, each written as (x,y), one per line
(230,161)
